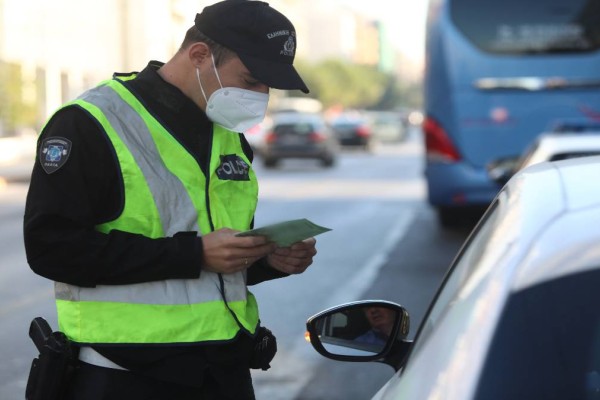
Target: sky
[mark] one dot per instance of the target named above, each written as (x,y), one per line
(404,19)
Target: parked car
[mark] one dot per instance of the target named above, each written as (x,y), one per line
(387,126)
(299,135)
(564,141)
(353,130)
(517,314)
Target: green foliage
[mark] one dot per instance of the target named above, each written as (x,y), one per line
(336,82)
(14,111)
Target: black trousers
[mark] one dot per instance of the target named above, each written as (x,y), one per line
(91,382)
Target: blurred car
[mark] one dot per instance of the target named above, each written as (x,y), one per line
(351,130)
(256,137)
(564,141)
(387,126)
(516,316)
(299,135)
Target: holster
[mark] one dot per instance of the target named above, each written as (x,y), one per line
(265,347)
(51,371)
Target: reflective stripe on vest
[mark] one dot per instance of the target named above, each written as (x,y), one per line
(164,194)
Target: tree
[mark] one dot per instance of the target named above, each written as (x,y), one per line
(14,111)
(339,83)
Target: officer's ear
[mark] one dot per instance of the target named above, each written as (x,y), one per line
(199,53)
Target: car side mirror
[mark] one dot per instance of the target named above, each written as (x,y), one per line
(369,330)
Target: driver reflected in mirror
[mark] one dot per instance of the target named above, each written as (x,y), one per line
(381,321)
(367,330)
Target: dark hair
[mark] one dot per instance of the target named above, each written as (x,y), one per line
(219,52)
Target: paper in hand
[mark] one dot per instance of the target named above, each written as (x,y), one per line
(286,233)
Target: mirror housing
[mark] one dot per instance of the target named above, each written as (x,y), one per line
(368,330)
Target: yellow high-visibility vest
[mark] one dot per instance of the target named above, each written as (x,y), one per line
(165,192)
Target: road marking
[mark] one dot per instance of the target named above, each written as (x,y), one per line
(405,190)
(294,366)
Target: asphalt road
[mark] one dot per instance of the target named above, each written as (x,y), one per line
(413,271)
(385,244)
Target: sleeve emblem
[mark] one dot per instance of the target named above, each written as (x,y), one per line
(54,153)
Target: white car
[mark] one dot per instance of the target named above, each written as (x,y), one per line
(518,313)
(567,141)
(560,146)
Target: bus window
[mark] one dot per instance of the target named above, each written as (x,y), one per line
(523,27)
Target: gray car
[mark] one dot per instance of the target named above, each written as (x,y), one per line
(517,315)
(299,135)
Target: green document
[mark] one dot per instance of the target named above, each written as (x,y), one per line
(288,232)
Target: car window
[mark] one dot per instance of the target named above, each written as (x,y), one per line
(462,269)
(547,343)
(574,154)
(301,128)
(347,124)
(521,27)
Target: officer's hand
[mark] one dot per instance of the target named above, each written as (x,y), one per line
(294,259)
(226,253)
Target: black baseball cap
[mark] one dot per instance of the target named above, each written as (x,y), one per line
(262,37)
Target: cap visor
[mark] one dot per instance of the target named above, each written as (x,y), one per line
(275,75)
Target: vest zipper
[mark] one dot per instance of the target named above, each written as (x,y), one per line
(208,173)
(212,227)
(222,289)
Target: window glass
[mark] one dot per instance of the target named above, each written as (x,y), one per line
(521,27)
(547,345)
(300,128)
(461,270)
(574,154)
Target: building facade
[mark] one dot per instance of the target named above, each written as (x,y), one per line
(58,49)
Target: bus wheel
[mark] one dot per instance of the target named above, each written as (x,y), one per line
(460,217)
(449,217)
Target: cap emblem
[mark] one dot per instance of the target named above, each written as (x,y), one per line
(289,47)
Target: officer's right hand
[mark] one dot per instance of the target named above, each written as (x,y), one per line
(226,253)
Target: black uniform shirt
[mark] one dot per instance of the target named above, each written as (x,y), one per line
(64,206)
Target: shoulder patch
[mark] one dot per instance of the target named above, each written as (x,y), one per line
(54,153)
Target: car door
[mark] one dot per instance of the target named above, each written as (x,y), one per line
(443,323)
(452,339)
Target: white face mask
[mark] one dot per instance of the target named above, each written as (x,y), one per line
(234,108)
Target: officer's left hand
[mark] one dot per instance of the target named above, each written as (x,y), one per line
(294,259)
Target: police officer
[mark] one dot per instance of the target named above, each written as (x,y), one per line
(138,190)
